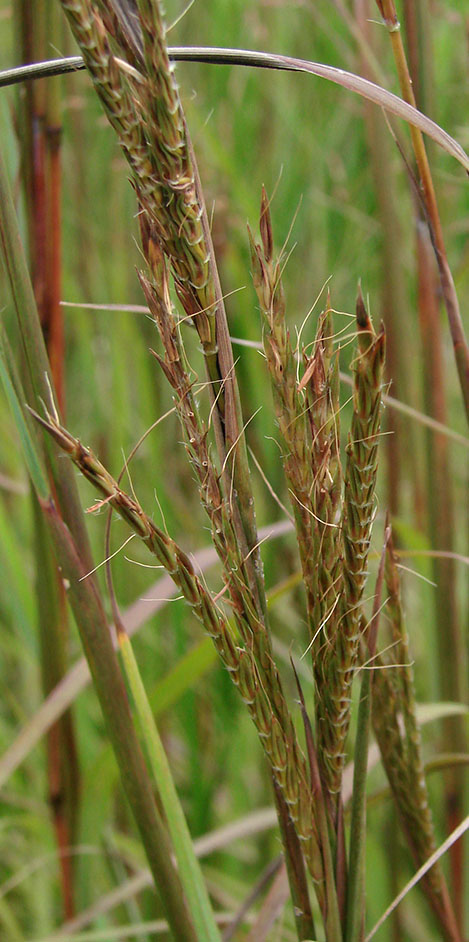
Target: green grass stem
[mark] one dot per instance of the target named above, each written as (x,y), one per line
(190,872)
(92,623)
(29,338)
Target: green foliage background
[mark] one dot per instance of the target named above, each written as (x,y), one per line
(309,143)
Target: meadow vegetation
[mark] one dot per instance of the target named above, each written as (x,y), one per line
(233,487)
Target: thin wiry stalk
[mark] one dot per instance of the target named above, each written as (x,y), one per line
(461,349)
(54,326)
(334,877)
(269,712)
(295,865)
(37,368)
(63,768)
(452,663)
(401,750)
(401,443)
(39,125)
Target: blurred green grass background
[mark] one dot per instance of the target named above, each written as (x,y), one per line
(309,143)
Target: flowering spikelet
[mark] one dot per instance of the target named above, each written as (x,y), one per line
(321,381)
(307,416)
(333,543)
(340,655)
(124,47)
(145,110)
(289,402)
(214,500)
(165,127)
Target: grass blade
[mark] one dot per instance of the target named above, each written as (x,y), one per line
(265,60)
(91,620)
(30,338)
(31,455)
(193,666)
(446,845)
(189,868)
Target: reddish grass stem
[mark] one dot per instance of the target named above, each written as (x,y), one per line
(461,350)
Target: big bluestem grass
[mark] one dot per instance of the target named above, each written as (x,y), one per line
(333,534)
(40,143)
(332,494)
(243,648)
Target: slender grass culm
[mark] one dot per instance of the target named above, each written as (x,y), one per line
(312,718)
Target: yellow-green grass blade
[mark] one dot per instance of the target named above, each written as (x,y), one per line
(189,868)
(31,455)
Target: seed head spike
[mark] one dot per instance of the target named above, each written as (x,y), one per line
(363,320)
(265,226)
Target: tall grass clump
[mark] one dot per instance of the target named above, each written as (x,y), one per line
(314,715)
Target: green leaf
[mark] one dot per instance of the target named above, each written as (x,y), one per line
(189,868)
(31,455)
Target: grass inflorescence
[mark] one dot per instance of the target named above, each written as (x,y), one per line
(345,684)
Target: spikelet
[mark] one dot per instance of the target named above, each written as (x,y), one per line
(333,529)
(340,654)
(289,402)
